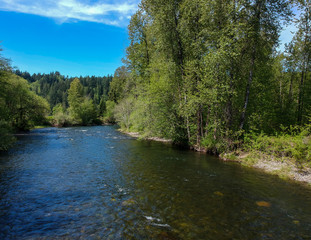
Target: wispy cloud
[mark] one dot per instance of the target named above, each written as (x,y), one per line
(107,12)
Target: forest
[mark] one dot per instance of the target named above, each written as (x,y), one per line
(73,100)
(27,101)
(210,75)
(54,86)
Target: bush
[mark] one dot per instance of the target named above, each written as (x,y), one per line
(60,117)
(294,143)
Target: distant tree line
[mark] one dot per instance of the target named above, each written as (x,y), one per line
(42,99)
(73,101)
(205,73)
(54,86)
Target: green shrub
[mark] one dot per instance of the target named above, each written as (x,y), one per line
(108,116)
(294,143)
(60,117)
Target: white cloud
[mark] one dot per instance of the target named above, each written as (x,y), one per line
(103,11)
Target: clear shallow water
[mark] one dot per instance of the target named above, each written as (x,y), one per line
(96,183)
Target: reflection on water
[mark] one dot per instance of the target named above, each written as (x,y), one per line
(96,183)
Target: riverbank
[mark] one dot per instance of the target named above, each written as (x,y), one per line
(285,168)
(139,136)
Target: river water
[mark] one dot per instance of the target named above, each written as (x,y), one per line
(96,183)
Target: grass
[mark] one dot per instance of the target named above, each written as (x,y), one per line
(293,144)
(286,154)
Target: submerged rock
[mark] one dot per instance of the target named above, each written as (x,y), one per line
(219,194)
(263,204)
(128,202)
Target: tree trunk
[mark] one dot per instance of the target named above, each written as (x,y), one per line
(188,129)
(300,98)
(249,84)
(290,93)
(254,39)
(207,122)
(199,126)
(201,113)
(147,50)
(229,103)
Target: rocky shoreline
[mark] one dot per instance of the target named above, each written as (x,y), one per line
(138,135)
(284,168)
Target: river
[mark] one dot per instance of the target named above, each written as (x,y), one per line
(97,183)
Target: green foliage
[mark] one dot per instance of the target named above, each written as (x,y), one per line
(6,138)
(118,87)
(92,95)
(123,111)
(60,116)
(20,108)
(81,109)
(292,143)
(195,73)
(54,86)
(298,55)
(102,105)
(75,97)
(108,116)
(87,112)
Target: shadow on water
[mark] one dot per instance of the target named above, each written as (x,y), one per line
(94,182)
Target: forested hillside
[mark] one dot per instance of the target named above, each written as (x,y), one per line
(54,86)
(209,73)
(91,94)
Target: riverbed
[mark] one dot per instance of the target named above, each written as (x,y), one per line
(97,183)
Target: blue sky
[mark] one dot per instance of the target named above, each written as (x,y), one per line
(74,37)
